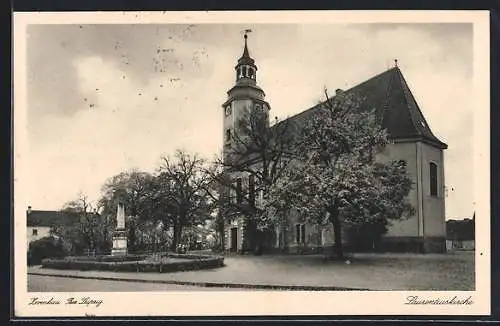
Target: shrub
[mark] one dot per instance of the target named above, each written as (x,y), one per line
(46,247)
(107,258)
(217,248)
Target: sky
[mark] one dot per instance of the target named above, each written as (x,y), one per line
(103,99)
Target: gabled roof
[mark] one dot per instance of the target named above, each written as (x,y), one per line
(50,218)
(390,95)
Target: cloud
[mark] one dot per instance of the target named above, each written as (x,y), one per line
(122,124)
(105,98)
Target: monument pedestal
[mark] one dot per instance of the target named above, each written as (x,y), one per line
(119,243)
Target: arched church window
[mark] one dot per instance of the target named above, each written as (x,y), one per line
(250,73)
(300,233)
(433,178)
(251,189)
(239,191)
(244,71)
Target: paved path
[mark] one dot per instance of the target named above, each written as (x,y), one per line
(367,271)
(37,283)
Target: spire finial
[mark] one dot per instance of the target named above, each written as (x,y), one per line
(245,36)
(396,63)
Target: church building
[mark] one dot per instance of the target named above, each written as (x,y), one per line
(411,140)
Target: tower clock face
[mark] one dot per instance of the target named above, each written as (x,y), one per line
(228,110)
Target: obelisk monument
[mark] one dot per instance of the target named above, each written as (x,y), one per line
(120,234)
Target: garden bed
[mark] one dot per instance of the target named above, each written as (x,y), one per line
(158,263)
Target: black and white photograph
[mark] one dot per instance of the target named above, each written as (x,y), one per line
(206,155)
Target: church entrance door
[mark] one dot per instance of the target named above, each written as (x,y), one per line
(234,239)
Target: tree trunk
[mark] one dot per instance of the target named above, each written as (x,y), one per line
(245,246)
(337,232)
(250,235)
(131,238)
(177,236)
(221,229)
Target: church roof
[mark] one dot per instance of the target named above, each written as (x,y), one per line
(50,218)
(390,95)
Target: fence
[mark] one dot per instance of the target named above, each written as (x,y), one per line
(90,253)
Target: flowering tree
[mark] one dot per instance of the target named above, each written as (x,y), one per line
(335,177)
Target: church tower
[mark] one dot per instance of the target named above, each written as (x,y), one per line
(245,95)
(244,98)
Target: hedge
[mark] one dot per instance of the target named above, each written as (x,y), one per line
(47,247)
(108,258)
(192,262)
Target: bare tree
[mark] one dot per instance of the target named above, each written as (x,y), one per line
(136,190)
(259,153)
(87,229)
(185,182)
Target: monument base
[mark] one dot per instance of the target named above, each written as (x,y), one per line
(119,244)
(119,252)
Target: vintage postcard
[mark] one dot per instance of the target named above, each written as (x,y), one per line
(251,163)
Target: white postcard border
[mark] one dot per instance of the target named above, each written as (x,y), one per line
(260,302)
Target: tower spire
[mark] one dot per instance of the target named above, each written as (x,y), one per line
(245,50)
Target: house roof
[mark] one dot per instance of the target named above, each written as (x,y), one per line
(395,105)
(50,218)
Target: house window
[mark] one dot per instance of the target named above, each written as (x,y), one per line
(228,134)
(239,191)
(251,189)
(300,233)
(433,178)
(34,232)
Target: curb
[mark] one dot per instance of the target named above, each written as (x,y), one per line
(210,284)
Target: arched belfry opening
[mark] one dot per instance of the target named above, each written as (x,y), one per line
(246,70)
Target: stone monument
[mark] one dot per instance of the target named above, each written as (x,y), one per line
(120,234)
